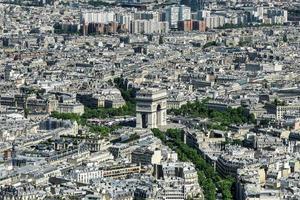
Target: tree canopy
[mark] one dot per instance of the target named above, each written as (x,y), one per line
(220,119)
(208,179)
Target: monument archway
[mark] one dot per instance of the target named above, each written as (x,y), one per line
(151,108)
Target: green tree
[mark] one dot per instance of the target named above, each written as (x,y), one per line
(219,119)
(161,39)
(209,44)
(208,179)
(285,39)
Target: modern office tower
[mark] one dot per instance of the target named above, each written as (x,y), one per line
(184,13)
(215,21)
(200,5)
(148,27)
(147,15)
(277,16)
(195,5)
(7,72)
(98,17)
(202,14)
(124,18)
(151,108)
(173,14)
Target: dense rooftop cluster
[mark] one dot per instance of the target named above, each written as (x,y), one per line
(123,100)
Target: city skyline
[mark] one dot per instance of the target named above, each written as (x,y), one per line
(149,100)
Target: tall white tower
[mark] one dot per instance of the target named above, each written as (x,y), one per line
(151,108)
